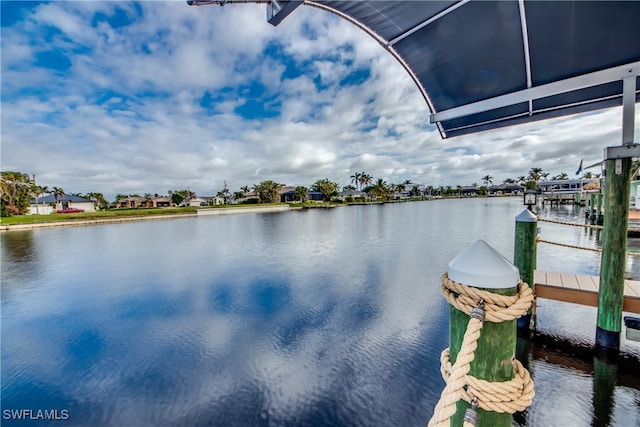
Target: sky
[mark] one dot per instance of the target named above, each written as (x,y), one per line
(125,97)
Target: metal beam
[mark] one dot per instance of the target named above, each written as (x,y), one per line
(278,10)
(622,151)
(628,109)
(426,22)
(525,48)
(621,72)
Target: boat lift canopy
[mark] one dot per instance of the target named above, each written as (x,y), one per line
(481,65)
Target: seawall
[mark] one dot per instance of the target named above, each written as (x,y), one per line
(252,209)
(199,212)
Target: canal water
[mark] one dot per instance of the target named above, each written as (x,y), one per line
(321,317)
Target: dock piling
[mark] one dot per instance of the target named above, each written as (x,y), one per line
(614,247)
(525,258)
(482,267)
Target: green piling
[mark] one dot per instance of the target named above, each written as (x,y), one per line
(492,362)
(497,343)
(524,257)
(599,214)
(525,356)
(604,387)
(614,247)
(594,209)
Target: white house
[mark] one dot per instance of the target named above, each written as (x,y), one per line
(194,201)
(49,204)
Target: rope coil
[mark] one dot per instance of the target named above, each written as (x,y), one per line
(498,308)
(500,396)
(504,396)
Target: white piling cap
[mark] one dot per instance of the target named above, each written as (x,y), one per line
(526,216)
(481,266)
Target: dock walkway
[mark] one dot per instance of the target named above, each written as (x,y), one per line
(582,289)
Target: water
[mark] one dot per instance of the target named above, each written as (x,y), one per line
(308,318)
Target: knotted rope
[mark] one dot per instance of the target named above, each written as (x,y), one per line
(505,396)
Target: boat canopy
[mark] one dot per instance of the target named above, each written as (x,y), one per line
(486,64)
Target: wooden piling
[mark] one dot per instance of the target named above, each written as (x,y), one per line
(592,209)
(599,213)
(604,386)
(524,256)
(614,246)
(482,267)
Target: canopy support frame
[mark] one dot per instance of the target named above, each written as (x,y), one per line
(562,86)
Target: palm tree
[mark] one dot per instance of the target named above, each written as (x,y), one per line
(536,174)
(245,190)
(428,191)
(99,199)
(487,180)
(380,189)
(365,179)
(39,191)
(268,191)
(326,187)
(225,194)
(355,178)
(57,193)
(302,193)
(561,177)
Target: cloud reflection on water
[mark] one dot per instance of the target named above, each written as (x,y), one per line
(331,317)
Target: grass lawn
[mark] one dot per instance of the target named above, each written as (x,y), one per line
(114,213)
(141,212)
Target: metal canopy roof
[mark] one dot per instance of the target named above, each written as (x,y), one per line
(486,64)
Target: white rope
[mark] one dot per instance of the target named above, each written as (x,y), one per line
(502,396)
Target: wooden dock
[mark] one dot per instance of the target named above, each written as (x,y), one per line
(582,289)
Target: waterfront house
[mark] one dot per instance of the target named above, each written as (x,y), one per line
(194,201)
(505,188)
(566,185)
(131,202)
(144,202)
(250,197)
(353,196)
(469,191)
(216,200)
(161,202)
(48,204)
(290,196)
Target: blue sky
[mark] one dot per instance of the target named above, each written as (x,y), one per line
(123,97)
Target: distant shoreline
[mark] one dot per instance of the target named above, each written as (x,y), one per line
(73,222)
(196,214)
(84,222)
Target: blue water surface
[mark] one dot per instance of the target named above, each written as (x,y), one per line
(321,317)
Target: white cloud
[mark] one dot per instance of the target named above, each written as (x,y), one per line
(126,117)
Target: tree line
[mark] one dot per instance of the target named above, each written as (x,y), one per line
(18,189)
